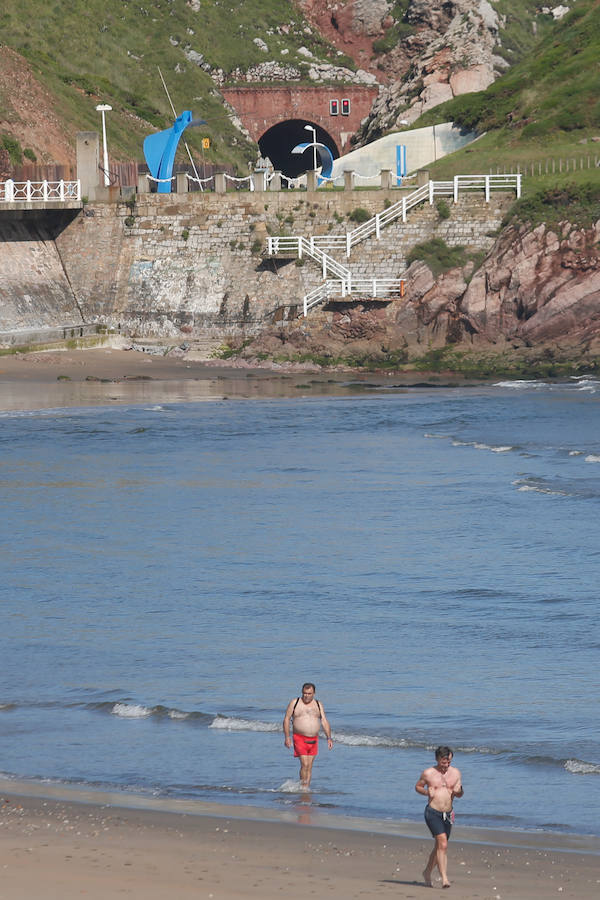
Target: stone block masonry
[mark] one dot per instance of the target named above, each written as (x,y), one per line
(34,287)
(191,266)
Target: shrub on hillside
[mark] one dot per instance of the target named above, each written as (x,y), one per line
(359,215)
(576,203)
(438,255)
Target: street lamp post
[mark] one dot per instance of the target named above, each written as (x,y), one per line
(314,144)
(104,108)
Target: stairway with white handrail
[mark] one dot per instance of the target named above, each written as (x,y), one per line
(344,283)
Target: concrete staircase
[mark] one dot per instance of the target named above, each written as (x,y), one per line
(343,283)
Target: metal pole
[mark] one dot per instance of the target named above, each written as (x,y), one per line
(189,152)
(314,144)
(106,178)
(103,108)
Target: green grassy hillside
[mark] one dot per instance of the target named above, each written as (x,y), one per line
(90,51)
(546,106)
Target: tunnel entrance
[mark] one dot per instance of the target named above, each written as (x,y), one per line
(278,142)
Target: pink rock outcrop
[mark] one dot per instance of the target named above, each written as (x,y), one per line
(538,286)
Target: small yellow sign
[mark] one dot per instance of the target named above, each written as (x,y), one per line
(205,143)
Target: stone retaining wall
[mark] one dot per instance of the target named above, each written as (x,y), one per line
(180,267)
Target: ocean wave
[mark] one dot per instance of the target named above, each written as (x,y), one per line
(579,767)
(127,709)
(347,738)
(592,458)
(521,384)
(539,486)
(587,383)
(231,723)
(131,710)
(493,448)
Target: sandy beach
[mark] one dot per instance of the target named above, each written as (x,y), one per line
(66,378)
(62,843)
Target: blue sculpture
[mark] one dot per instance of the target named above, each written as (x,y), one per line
(325,158)
(160,150)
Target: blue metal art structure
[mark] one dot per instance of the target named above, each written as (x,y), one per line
(325,157)
(160,150)
(401,169)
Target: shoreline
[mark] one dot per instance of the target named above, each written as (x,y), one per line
(61,843)
(56,379)
(300,814)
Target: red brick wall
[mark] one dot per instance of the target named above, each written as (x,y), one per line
(260,108)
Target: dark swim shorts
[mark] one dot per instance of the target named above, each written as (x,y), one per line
(438,822)
(306,746)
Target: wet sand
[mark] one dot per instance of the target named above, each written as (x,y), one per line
(57,842)
(58,379)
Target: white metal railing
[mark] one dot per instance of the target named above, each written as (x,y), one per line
(302,246)
(426,193)
(345,287)
(39,191)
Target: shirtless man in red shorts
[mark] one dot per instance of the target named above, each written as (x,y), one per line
(440,784)
(308,716)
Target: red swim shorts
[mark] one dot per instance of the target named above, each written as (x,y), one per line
(306,746)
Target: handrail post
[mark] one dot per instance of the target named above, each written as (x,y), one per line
(431,190)
(300,243)
(518,186)
(377,228)
(348,240)
(487,188)
(305,307)
(404,209)
(324,267)
(456,188)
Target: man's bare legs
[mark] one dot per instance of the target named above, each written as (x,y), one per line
(306,764)
(438,857)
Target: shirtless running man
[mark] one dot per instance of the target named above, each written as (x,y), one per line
(308,715)
(440,784)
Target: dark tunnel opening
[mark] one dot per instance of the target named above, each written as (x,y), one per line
(278,142)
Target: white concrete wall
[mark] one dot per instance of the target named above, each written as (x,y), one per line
(423,146)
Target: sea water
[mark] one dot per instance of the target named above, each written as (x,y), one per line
(429,558)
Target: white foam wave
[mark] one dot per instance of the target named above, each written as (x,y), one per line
(368,740)
(575,452)
(501,448)
(520,385)
(131,711)
(291,787)
(579,767)
(431,434)
(230,723)
(177,714)
(541,490)
(592,458)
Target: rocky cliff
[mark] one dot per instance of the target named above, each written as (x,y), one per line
(536,293)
